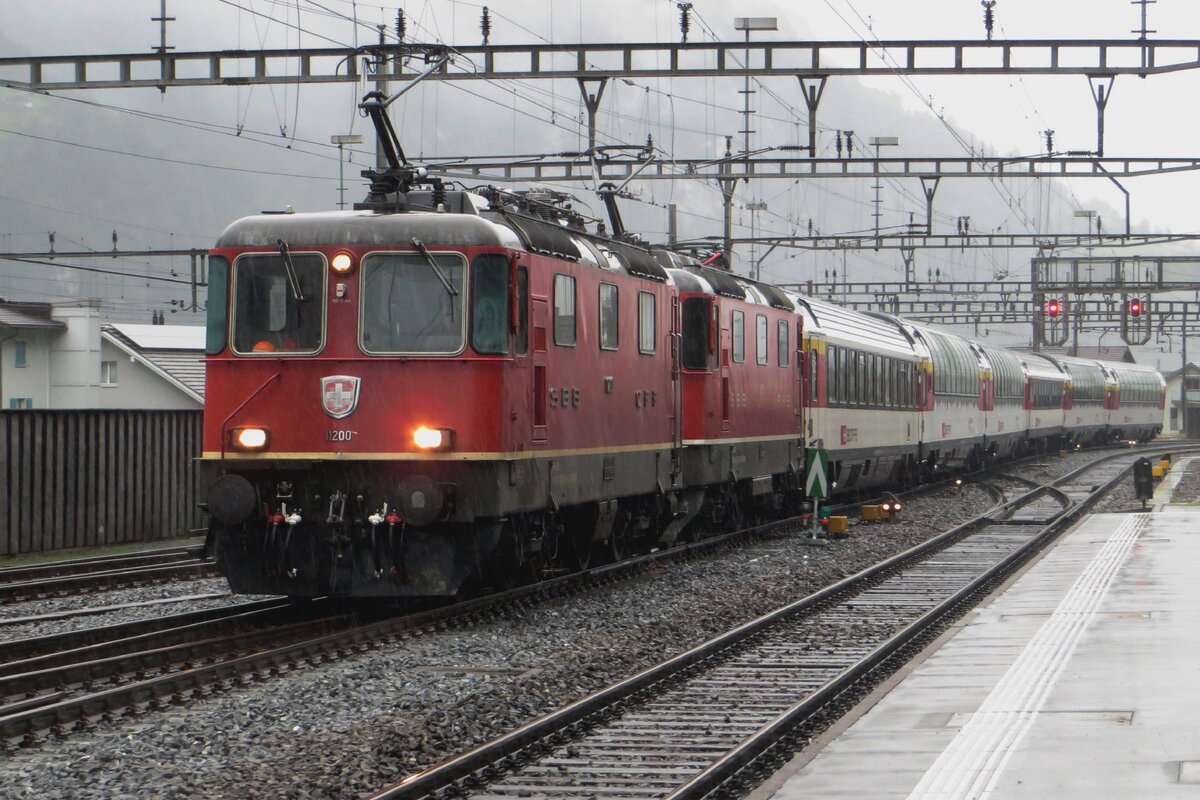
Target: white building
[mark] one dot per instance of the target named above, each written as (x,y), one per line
(1173,413)
(66,357)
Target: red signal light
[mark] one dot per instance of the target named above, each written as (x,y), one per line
(1135,307)
(1053,308)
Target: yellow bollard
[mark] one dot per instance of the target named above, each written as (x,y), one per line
(1157,472)
(872,513)
(1165,464)
(837,525)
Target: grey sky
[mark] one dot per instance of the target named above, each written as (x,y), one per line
(688,118)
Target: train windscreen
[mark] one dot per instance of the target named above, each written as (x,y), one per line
(278,303)
(413,303)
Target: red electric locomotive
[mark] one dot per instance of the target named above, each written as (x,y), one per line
(402,403)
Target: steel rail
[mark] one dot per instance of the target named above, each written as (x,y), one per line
(78,566)
(107,579)
(473,768)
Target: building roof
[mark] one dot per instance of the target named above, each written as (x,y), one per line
(1192,369)
(175,352)
(28,315)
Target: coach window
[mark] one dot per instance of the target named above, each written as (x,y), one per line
(843,375)
(609,331)
(646,322)
(830,370)
(832,374)
(279,304)
(814,376)
(564,310)
(739,336)
(782,343)
(489,304)
(851,377)
(760,339)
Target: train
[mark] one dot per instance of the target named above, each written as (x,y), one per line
(452,389)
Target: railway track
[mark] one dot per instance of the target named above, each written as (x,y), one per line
(726,711)
(78,576)
(65,682)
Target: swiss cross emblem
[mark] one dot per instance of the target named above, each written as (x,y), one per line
(339,395)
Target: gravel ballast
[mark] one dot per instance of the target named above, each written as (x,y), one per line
(339,730)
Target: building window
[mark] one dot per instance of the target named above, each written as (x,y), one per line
(108,373)
(646,322)
(609,331)
(20,402)
(564,310)
(19,354)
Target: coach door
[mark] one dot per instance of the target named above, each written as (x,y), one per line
(541,385)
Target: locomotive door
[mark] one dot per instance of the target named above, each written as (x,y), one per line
(541,384)
(676,338)
(806,377)
(724,338)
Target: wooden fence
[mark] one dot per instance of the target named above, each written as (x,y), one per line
(82,478)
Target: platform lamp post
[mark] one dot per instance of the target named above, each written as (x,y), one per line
(878,142)
(341,140)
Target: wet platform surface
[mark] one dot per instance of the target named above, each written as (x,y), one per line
(1082,680)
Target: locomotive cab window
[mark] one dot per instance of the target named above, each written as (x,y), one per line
(218,305)
(279,305)
(564,310)
(522,337)
(489,304)
(782,344)
(413,303)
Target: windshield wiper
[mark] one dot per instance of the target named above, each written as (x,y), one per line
(293,280)
(441,276)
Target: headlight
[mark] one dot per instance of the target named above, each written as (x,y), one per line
(250,438)
(342,263)
(433,438)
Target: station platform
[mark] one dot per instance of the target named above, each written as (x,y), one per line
(1080,679)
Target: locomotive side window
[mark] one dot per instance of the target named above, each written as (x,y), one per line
(609,310)
(218,308)
(564,310)
(697,334)
(646,322)
(738,326)
(760,339)
(277,309)
(489,304)
(413,303)
(782,343)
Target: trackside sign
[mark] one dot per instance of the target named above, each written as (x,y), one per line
(816,480)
